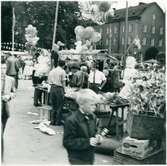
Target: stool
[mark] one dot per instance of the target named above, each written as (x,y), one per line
(119,121)
(44,112)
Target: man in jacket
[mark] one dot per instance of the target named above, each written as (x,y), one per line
(7,86)
(12,68)
(80,130)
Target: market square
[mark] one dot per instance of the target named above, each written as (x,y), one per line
(83,83)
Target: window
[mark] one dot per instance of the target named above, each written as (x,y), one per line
(114,41)
(145,28)
(129,40)
(107,29)
(144,41)
(130,28)
(152,42)
(101,30)
(153,29)
(161,30)
(160,43)
(123,28)
(154,16)
(123,41)
(110,30)
(107,42)
(115,29)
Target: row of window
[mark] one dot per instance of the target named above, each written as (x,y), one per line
(144,42)
(130,29)
(145,29)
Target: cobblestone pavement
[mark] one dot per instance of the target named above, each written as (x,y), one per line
(26,145)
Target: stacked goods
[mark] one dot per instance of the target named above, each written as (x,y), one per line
(137,148)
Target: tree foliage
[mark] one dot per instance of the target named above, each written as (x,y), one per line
(41,14)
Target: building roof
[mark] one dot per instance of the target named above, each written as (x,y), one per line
(133,12)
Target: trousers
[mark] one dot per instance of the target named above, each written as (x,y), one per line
(57,101)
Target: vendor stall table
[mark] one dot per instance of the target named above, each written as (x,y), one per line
(117,109)
(45,94)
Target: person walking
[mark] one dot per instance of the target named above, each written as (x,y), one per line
(7,86)
(12,68)
(57,79)
(80,130)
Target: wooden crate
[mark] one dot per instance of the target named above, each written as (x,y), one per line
(156,157)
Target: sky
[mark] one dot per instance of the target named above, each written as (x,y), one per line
(118,4)
(122,3)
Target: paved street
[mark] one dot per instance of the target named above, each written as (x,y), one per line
(26,145)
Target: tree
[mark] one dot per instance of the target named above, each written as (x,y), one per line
(151,53)
(6,22)
(41,14)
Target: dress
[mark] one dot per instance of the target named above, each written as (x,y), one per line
(28,69)
(129,75)
(77,132)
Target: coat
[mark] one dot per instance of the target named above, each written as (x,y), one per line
(77,132)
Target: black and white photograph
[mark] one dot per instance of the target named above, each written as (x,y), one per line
(83,82)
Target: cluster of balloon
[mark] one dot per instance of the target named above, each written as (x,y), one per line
(31,35)
(104,6)
(87,35)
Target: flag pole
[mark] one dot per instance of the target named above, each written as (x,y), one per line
(55,24)
(13,27)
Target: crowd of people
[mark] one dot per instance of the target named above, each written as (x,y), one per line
(80,130)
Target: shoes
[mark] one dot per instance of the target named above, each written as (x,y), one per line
(59,123)
(52,123)
(37,105)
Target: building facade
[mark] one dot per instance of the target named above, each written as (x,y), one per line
(145,21)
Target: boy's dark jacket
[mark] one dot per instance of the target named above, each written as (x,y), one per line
(78,130)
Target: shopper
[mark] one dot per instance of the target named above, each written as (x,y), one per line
(80,78)
(80,130)
(12,68)
(96,79)
(57,79)
(7,86)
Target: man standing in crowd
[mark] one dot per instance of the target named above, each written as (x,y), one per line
(12,68)
(80,78)
(80,130)
(57,78)
(96,79)
(7,86)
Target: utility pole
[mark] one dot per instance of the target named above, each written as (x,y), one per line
(126,33)
(55,23)
(13,27)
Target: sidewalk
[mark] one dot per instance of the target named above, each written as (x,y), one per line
(26,145)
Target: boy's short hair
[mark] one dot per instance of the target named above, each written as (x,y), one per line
(85,95)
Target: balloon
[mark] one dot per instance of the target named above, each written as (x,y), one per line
(78,38)
(104,6)
(78,29)
(96,37)
(88,43)
(88,32)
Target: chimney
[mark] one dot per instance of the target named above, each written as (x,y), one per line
(114,9)
(141,3)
